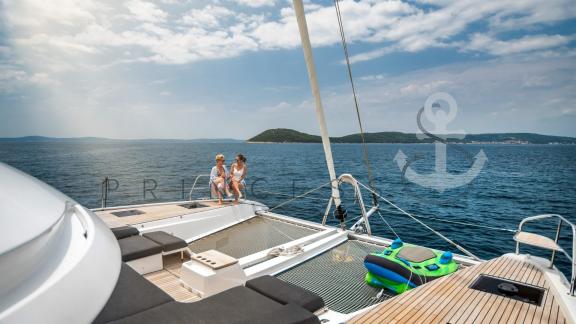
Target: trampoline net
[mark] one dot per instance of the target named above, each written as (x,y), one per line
(251,236)
(338,277)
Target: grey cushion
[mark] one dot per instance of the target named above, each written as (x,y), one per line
(124,231)
(416,254)
(286,293)
(136,247)
(236,305)
(169,242)
(289,314)
(132,294)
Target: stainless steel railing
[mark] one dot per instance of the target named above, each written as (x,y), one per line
(561,221)
(194,185)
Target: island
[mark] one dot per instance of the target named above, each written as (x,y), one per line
(284,135)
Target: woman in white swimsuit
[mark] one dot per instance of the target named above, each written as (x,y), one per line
(218,177)
(238,172)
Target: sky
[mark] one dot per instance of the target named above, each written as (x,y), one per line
(232,68)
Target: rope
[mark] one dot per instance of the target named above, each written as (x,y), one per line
(288,195)
(470,254)
(364,147)
(282,251)
(389,226)
(300,196)
(468,224)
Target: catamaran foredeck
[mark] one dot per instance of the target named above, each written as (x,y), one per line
(335,272)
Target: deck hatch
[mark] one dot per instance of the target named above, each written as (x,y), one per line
(510,289)
(193,205)
(131,212)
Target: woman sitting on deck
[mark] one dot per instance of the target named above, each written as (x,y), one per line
(238,172)
(218,177)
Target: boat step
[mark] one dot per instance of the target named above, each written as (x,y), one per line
(537,240)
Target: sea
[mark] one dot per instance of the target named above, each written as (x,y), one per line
(480,214)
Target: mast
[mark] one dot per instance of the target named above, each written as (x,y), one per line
(304,37)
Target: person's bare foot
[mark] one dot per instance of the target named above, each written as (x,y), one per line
(235,202)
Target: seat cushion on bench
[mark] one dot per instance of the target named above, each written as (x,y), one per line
(169,242)
(289,314)
(235,305)
(124,231)
(137,247)
(132,294)
(286,293)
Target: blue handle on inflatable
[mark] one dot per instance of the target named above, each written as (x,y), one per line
(446,257)
(396,243)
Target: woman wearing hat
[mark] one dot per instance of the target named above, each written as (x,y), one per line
(218,177)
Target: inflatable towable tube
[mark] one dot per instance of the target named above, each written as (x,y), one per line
(402,267)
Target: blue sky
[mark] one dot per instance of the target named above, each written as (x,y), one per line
(233,68)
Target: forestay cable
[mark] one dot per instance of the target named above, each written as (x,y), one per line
(346,55)
(470,254)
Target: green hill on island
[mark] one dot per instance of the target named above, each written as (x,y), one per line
(283,135)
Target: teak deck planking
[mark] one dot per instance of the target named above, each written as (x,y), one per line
(450,300)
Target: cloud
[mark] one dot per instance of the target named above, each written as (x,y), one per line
(282,106)
(440,26)
(487,44)
(92,57)
(372,77)
(483,89)
(146,11)
(144,31)
(207,17)
(361,20)
(256,3)
(425,88)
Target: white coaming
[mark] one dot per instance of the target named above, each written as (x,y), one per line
(193,226)
(74,273)
(282,263)
(255,258)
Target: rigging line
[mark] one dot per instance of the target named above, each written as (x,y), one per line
(349,68)
(288,195)
(468,224)
(470,254)
(300,196)
(389,226)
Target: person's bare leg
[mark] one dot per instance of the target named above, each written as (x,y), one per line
(236,190)
(240,187)
(226,185)
(218,184)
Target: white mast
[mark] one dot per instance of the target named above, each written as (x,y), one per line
(302,26)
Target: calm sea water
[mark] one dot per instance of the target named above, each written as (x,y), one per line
(517,181)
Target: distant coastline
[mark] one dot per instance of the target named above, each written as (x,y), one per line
(44,139)
(290,136)
(283,135)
